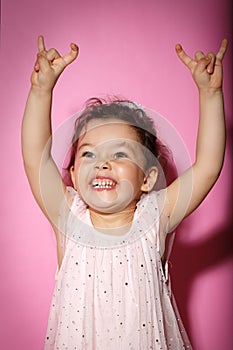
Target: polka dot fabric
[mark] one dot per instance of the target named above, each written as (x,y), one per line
(114,296)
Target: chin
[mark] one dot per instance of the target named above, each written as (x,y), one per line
(112,207)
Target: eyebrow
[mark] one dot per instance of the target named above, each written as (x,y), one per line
(120,144)
(84,145)
(126,144)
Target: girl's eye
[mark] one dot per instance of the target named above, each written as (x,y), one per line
(88,154)
(120,155)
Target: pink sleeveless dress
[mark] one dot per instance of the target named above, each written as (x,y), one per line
(112,292)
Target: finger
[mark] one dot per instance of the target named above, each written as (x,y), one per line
(199,55)
(202,64)
(210,67)
(72,55)
(222,49)
(41,45)
(183,56)
(52,54)
(42,62)
(36,67)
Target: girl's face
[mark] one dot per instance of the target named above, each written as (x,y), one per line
(108,170)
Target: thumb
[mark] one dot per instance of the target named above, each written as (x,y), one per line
(72,55)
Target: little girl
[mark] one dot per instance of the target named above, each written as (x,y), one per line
(112,290)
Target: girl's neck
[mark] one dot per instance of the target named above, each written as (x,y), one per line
(113,223)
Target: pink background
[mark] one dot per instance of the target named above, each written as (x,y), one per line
(126,48)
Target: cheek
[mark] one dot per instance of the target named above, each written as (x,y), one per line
(124,170)
(81,167)
(130,172)
(78,173)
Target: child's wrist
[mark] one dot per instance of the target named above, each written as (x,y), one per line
(39,91)
(210,91)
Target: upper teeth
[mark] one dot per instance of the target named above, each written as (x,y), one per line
(103,183)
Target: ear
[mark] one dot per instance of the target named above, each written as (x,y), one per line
(72,176)
(149,179)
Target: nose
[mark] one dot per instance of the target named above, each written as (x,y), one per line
(103,165)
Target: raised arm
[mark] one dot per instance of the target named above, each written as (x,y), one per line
(43,175)
(187,192)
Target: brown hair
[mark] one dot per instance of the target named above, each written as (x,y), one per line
(130,112)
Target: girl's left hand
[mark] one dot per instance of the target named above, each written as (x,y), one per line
(205,69)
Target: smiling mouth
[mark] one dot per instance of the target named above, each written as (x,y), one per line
(103,184)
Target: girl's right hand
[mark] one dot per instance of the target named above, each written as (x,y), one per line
(49,65)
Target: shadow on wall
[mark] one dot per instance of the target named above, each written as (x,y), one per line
(211,252)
